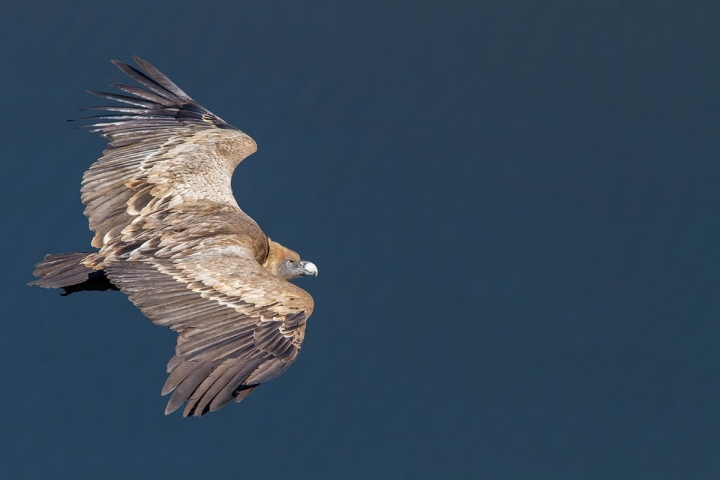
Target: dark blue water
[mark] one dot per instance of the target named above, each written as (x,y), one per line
(513,207)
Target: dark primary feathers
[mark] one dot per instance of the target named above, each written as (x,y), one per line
(172,237)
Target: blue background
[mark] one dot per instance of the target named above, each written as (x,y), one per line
(513,206)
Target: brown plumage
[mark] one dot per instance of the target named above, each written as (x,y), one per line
(172,237)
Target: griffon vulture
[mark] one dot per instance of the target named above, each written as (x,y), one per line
(172,238)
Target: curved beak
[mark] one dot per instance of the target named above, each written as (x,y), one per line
(309,268)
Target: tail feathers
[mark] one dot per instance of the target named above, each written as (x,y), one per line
(66,271)
(61,270)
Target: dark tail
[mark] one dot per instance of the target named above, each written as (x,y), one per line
(66,271)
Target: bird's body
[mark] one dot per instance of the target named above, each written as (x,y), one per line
(172,237)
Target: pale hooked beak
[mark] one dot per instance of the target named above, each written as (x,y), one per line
(309,268)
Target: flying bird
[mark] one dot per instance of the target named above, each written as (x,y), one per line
(171,236)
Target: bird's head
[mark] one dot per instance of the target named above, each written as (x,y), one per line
(291,268)
(286,264)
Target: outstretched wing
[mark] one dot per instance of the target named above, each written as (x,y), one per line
(238,325)
(164,150)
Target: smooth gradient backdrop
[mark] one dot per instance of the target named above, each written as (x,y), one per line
(513,206)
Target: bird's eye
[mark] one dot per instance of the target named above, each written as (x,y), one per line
(289,263)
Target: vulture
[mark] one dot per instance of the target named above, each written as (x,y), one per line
(171,236)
